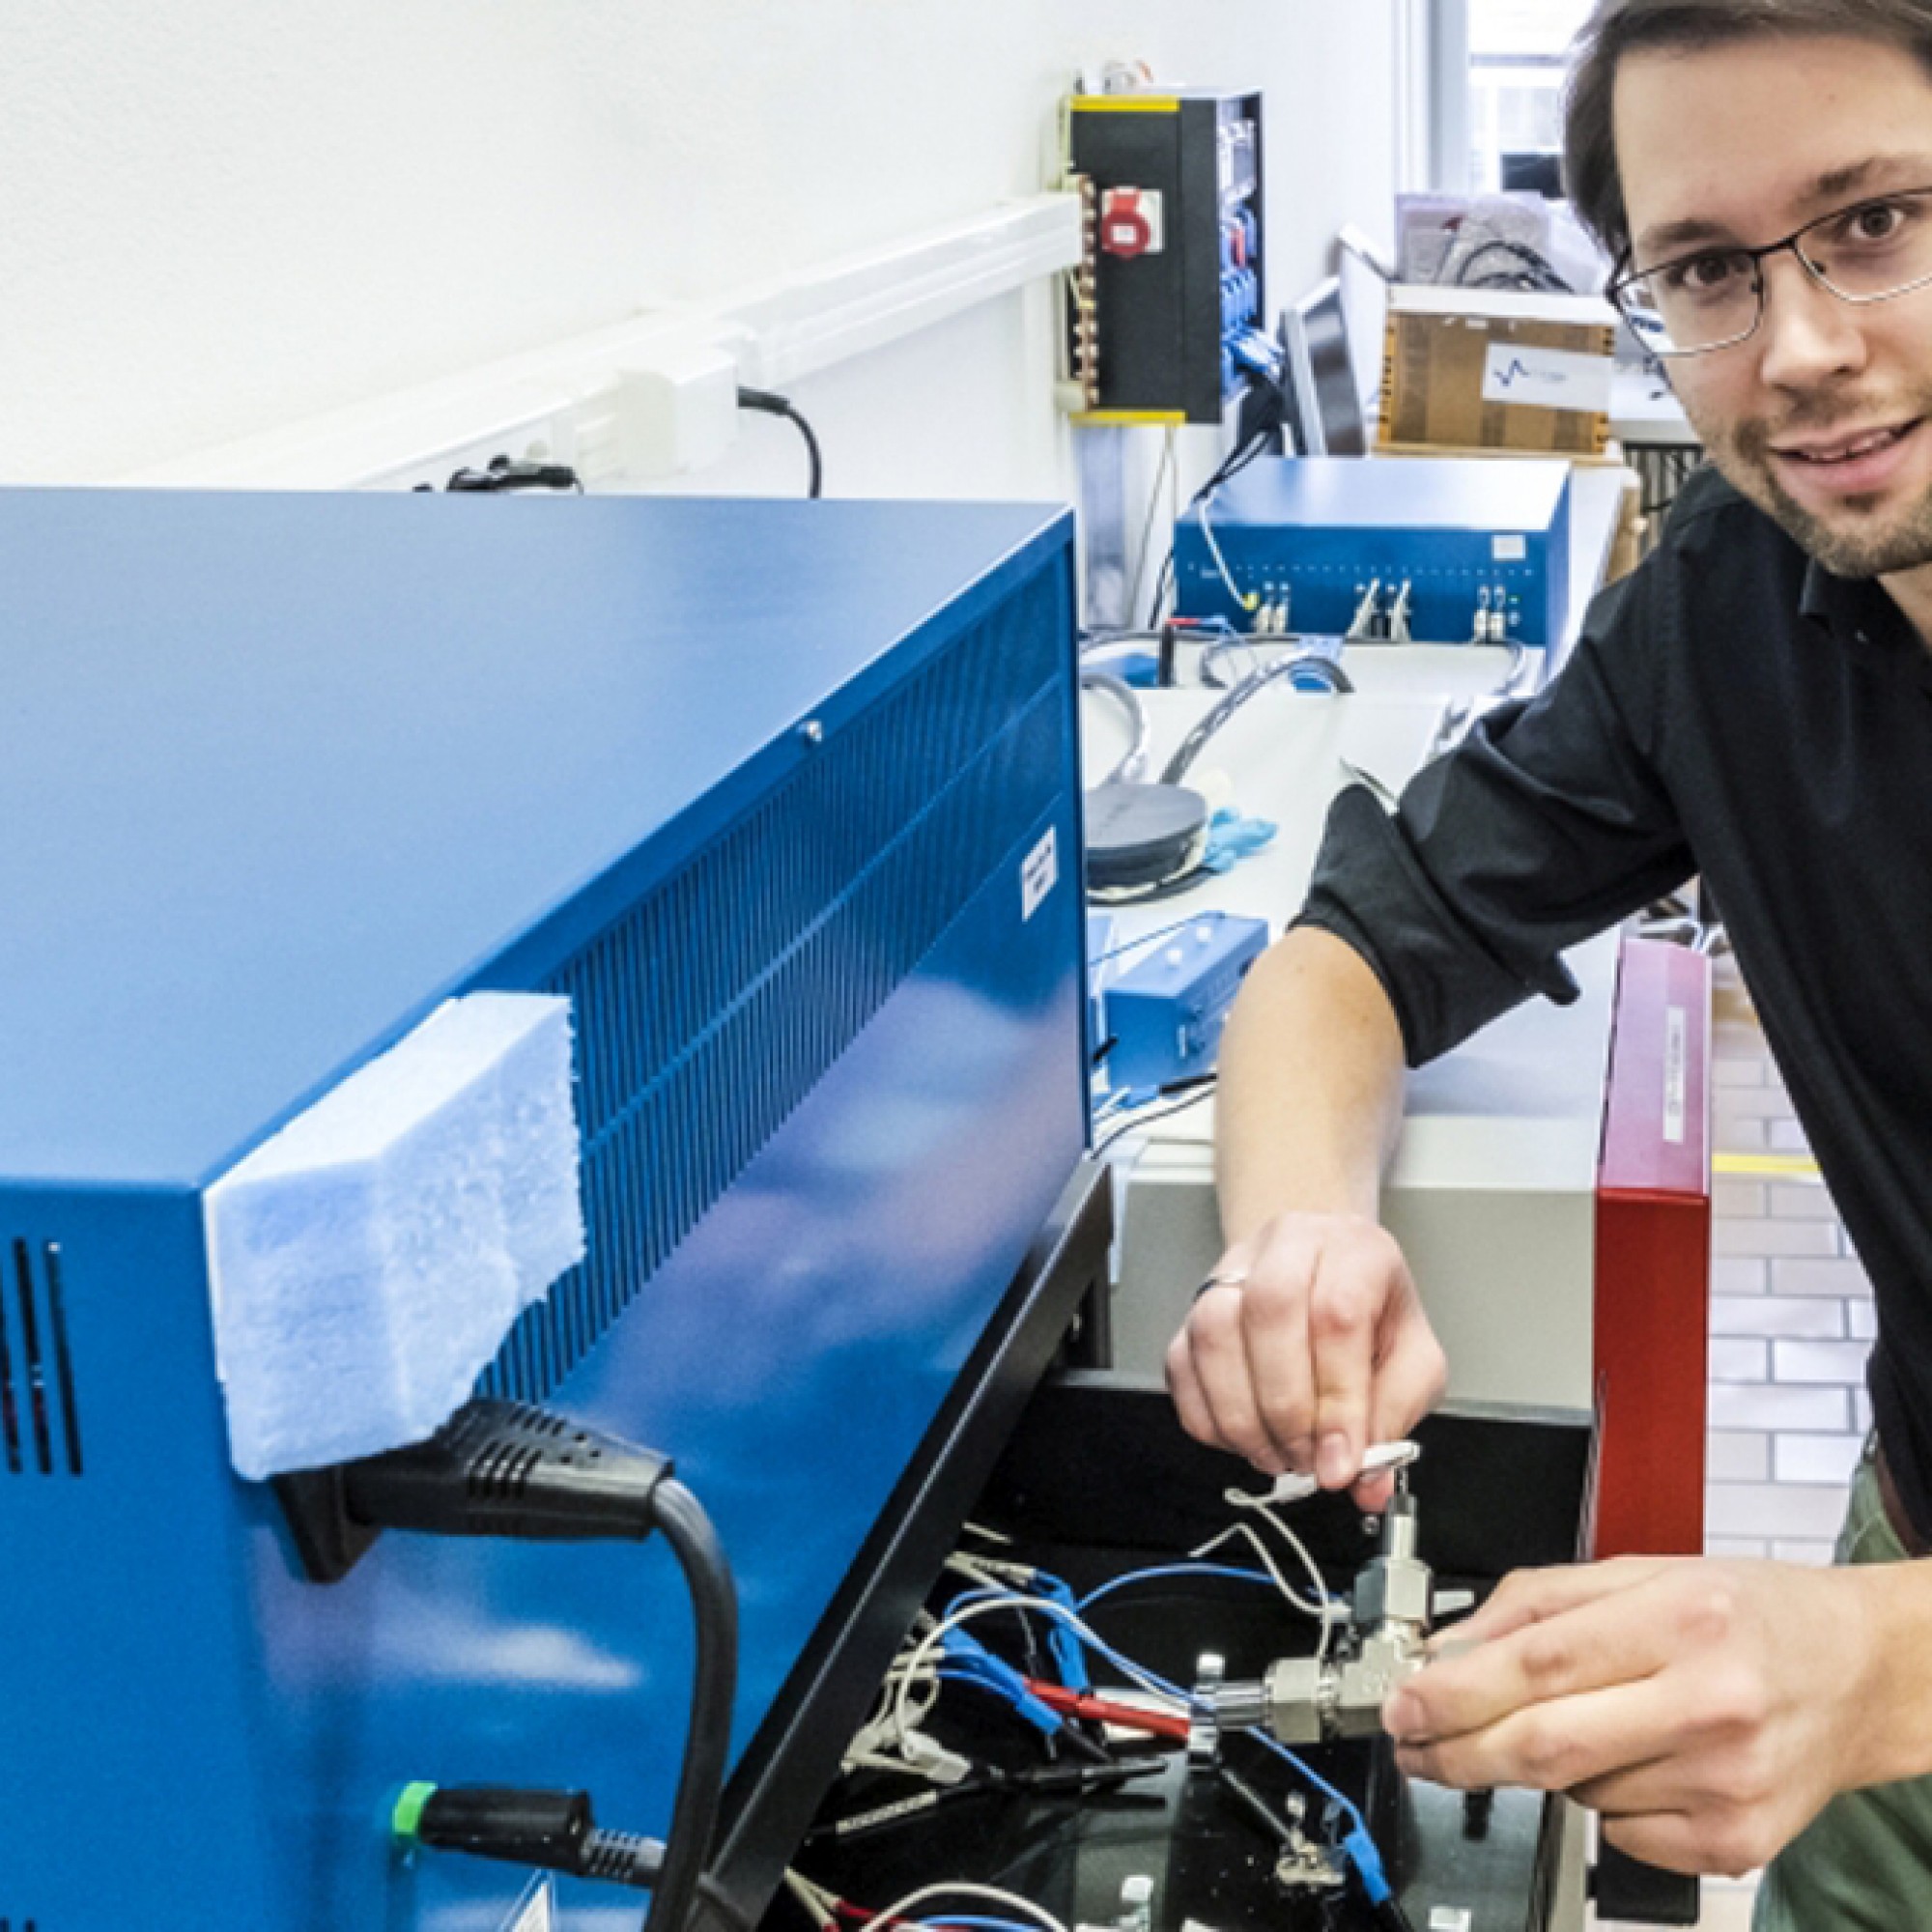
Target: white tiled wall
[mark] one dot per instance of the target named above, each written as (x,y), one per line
(1790,1320)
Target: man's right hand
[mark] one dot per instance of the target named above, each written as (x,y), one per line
(1309,1345)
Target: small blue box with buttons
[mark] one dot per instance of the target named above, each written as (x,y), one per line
(1165,1012)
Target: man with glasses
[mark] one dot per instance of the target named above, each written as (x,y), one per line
(1754,706)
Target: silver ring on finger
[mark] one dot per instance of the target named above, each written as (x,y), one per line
(1228,1278)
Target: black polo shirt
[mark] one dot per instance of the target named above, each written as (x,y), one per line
(1735,711)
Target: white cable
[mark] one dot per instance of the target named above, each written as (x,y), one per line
(1162,470)
(986,1533)
(815,1899)
(991,1894)
(1300,1549)
(1173,482)
(892,1720)
(980,1576)
(1248,1534)
(1214,551)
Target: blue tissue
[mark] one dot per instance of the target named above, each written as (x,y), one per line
(1230,836)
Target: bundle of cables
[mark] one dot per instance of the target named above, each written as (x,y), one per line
(1052,1689)
(1270,410)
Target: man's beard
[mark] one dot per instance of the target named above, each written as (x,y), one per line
(1855,543)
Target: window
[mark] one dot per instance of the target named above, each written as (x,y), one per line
(1519,53)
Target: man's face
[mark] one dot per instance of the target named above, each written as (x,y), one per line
(1823,417)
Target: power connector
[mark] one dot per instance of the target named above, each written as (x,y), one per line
(496,1468)
(502,1468)
(552,1829)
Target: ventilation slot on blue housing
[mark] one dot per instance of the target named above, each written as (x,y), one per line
(40,1416)
(706,1015)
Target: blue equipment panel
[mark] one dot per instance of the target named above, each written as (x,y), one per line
(1466,534)
(783,796)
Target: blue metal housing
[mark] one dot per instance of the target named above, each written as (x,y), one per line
(783,796)
(1463,532)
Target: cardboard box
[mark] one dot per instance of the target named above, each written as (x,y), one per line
(1496,369)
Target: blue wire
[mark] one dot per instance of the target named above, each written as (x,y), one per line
(1356,1843)
(1114,1583)
(983,1593)
(991,1592)
(1112,1657)
(976,1925)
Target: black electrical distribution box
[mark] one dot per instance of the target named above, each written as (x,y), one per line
(1176,249)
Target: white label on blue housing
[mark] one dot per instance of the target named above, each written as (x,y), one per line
(1549,378)
(1039,873)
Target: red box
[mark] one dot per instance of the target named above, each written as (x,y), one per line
(1653,1256)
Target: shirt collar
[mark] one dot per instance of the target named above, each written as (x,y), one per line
(1857,613)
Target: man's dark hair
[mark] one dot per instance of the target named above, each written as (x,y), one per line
(1618,27)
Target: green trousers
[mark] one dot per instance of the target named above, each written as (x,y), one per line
(1864,1863)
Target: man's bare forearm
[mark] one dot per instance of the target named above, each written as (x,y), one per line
(1311,1087)
(1309,1342)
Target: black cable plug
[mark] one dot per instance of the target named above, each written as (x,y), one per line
(502,1468)
(552,1829)
(505,473)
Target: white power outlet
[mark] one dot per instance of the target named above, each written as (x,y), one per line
(679,411)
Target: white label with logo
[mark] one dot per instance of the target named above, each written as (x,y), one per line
(1039,873)
(1508,549)
(1676,1042)
(1550,379)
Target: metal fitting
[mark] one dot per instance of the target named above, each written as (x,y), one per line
(1301,1701)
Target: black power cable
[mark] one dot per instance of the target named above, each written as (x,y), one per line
(768,404)
(501,1468)
(700,1783)
(1530,270)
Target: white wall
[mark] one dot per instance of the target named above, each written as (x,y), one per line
(221,216)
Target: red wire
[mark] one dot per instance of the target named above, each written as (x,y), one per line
(1130,1717)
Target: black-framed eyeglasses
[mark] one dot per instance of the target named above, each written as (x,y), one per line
(1711,297)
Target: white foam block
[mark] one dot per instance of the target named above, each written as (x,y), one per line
(368,1260)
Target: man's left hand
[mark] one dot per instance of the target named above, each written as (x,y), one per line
(1706,1709)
